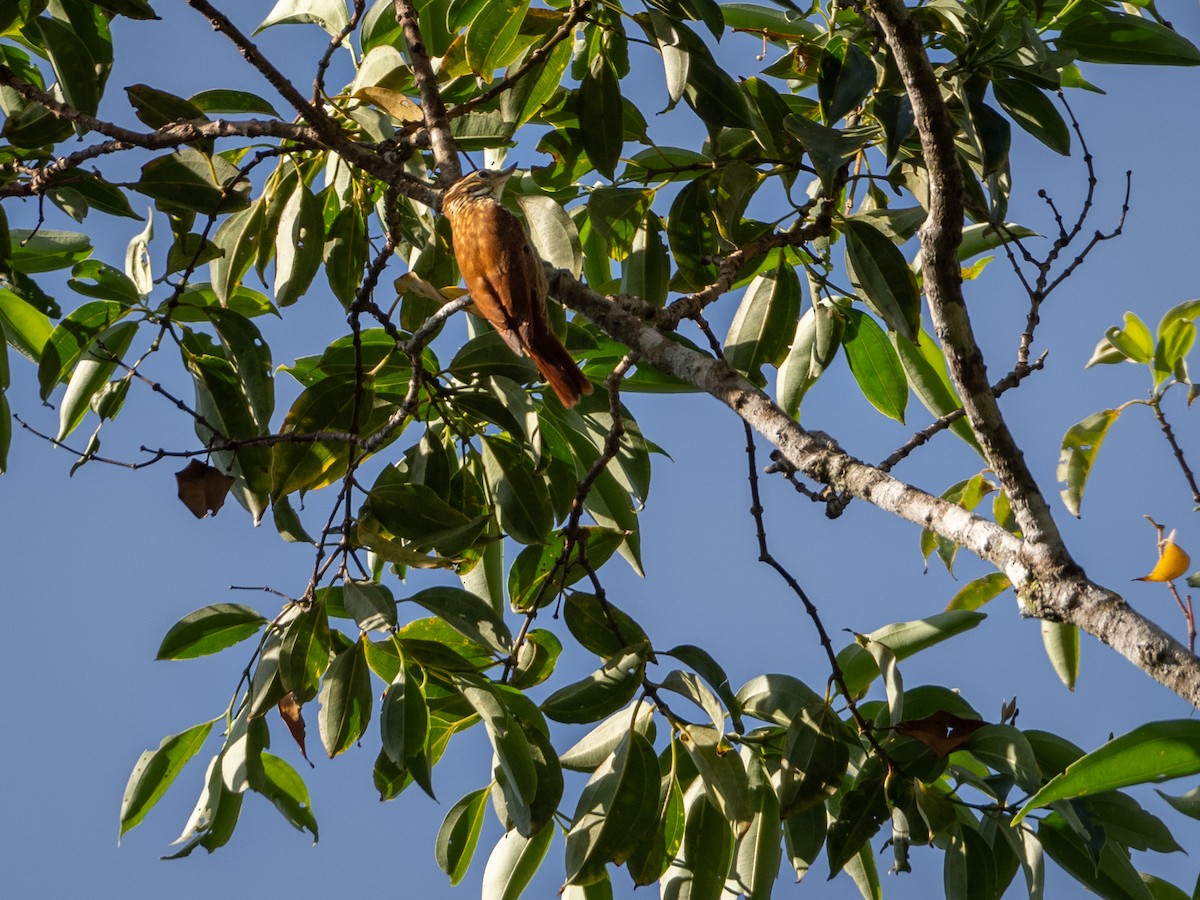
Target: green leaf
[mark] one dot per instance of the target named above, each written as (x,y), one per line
(1150,754)
(1109,37)
(759,850)
(814,761)
(722,773)
(208,630)
(491,36)
(702,662)
(328,405)
(72,337)
(600,107)
(603,692)
(158,108)
(468,614)
(1061,641)
(91,376)
(646,272)
(73,63)
(225,100)
(777,698)
(536,659)
(1134,340)
(214,817)
(521,494)
(598,744)
(1080,445)
(700,870)
(345,699)
(875,365)
(345,253)
(925,368)
(370,604)
(1110,875)
(46,250)
(516,774)
(846,75)
(976,593)
(904,639)
(881,277)
(828,148)
(617,810)
(25,328)
(863,809)
(156,769)
(459,834)
(187,181)
(284,787)
(329,14)
(404,724)
(513,862)
(1032,110)
(600,626)
(304,651)
(1006,750)
(418,513)
(764,322)
(238,238)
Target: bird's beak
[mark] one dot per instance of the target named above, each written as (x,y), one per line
(506,174)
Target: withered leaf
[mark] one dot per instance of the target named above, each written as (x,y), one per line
(202,488)
(942,732)
(293,718)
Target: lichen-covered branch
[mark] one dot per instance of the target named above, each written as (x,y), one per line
(941,235)
(1048,587)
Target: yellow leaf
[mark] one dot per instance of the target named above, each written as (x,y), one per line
(394,103)
(1172,563)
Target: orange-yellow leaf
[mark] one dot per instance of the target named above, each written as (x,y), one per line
(1172,563)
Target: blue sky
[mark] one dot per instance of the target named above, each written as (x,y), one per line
(101,564)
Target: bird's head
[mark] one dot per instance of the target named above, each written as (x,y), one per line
(479,185)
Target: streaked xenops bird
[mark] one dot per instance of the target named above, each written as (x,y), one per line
(505,278)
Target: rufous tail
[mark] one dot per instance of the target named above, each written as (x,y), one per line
(558,368)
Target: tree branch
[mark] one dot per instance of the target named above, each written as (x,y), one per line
(1047,586)
(437,121)
(941,235)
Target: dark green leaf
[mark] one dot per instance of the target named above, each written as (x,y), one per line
(882,278)
(72,337)
(603,692)
(467,614)
(284,787)
(1033,110)
(208,630)
(764,322)
(863,809)
(600,626)
(875,365)
(520,493)
(1110,37)
(600,108)
(459,834)
(345,698)
(224,100)
(188,181)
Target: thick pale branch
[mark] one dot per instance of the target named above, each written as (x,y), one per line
(1047,586)
(940,237)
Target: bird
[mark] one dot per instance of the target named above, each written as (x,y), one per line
(505,278)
